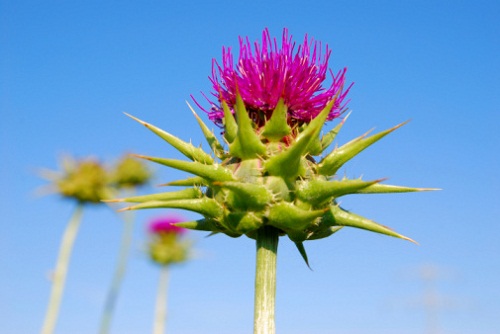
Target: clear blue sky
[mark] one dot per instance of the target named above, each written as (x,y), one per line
(69,69)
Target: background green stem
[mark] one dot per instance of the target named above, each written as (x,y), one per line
(265,280)
(161,302)
(59,275)
(121,267)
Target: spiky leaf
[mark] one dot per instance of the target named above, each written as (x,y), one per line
(247,144)
(338,157)
(189,150)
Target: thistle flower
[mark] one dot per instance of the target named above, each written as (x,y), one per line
(268,182)
(84,180)
(130,173)
(165,247)
(268,74)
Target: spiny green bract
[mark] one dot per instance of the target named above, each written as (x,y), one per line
(267,176)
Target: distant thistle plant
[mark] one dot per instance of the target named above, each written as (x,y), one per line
(267,183)
(86,182)
(166,248)
(126,176)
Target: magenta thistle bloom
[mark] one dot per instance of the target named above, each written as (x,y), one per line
(166,225)
(268,73)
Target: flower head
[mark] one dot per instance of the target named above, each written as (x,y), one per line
(130,172)
(84,180)
(267,73)
(165,247)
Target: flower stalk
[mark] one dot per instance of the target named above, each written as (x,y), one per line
(161,302)
(121,268)
(59,275)
(265,280)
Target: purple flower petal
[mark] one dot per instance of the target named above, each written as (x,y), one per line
(266,73)
(165,225)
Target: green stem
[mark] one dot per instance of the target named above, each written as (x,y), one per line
(59,276)
(161,302)
(121,267)
(265,280)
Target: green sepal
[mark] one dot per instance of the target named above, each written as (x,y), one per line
(206,206)
(315,147)
(277,126)
(324,232)
(189,193)
(189,182)
(378,188)
(243,222)
(249,171)
(339,217)
(317,191)
(200,225)
(247,144)
(212,141)
(230,126)
(327,139)
(287,164)
(339,156)
(208,172)
(302,251)
(252,196)
(289,217)
(189,150)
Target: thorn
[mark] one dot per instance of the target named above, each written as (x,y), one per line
(409,239)
(428,189)
(116,200)
(128,208)
(140,156)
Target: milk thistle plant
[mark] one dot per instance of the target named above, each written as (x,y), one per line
(88,182)
(273,174)
(128,174)
(85,182)
(165,249)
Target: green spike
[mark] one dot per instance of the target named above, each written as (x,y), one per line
(212,141)
(165,196)
(277,126)
(206,206)
(317,191)
(338,157)
(287,164)
(315,147)
(254,196)
(339,217)
(327,139)
(189,182)
(229,123)
(208,172)
(289,217)
(189,150)
(302,251)
(324,232)
(243,222)
(249,171)
(247,144)
(200,225)
(387,189)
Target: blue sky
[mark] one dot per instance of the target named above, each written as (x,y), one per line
(69,69)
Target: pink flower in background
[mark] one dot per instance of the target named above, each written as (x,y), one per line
(165,225)
(268,73)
